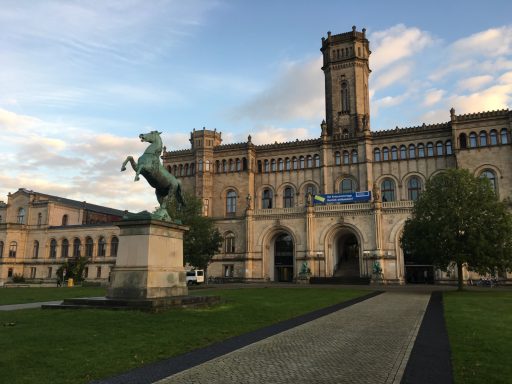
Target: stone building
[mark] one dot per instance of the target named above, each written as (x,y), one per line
(39,232)
(262,197)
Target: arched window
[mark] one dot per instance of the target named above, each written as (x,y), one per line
(224,166)
(35,250)
(175,170)
(273,165)
(64,220)
(494,137)
(114,246)
(337,158)
(266,199)
(229,242)
(310,189)
(301,162)
(317,161)
(200,165)
(1,249)
(385,154)
(439,148)
(89,247)
(187,170)
(448,146)
(280,165)
(39,218)
(376,154)
(231,202)
(347,186)
(345,102)
(483,139)
(218,166)
(309,161)
(53,249)
(21,215)
(403,152)
(491,176)
(13,248)
(287,164)
(266,166)
(346,157)
(413,188)
(354,157)
(294,161)
(288,197)
(76,247)
(463,141)
(102,245)
(412,151)
(388,190)
(231,165)
(260,166)
(394,153)
(472,140)
(180,169)
(504,136)
(238,165)
(430,149)
(64,249)
(244,164)
(421,150)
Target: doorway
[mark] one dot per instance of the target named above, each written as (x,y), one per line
(283,258)
(346,255)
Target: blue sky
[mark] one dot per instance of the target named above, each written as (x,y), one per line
(80,80)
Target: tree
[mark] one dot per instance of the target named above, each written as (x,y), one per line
(458,219)
(202,240)
(74,269)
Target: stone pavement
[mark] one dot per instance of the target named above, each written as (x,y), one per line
(14,307)
(369,342)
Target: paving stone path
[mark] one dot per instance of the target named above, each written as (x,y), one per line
(369,342)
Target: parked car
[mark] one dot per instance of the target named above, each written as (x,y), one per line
(195,277)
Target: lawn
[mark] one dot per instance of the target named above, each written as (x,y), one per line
(31,295)
(480,332)
(77,346)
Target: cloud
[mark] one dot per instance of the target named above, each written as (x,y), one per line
(492,98)
(474,83)
(396,74)
(490,43)
(433,96)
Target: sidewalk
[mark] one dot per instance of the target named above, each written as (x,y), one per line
(14,307)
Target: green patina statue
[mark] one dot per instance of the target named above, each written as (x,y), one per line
(149,165)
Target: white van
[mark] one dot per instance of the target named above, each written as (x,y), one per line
(195,277)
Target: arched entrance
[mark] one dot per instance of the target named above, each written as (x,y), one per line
(283,257)
(346,254)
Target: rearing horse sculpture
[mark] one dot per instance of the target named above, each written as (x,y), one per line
(149,165)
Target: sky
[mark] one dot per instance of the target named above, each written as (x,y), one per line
(80,80)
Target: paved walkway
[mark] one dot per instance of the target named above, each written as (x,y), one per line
(369,342)
(14,307)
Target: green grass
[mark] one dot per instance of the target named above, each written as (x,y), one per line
(480,331)
(77,346)
(31,295)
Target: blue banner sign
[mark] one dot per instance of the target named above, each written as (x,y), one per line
(342,198)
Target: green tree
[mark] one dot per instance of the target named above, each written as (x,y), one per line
(74,269)
(202,240)
(458,219)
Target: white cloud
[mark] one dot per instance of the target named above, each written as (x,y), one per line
(397,74)
(492,98)
(474,83)
(433,96)
(490,43)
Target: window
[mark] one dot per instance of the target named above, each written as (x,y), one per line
(229,270)
(317,161)
(53,249)
(206,207)
(187,172)
(504,136)
(64,251)
(273,165)
(200,165)
(388,190)
(76,247)
(294,161)
(232,165)
(310,189)
(266,199)
(430,149)
(472,140)
(309,161)
(421,150)
(491,176)
(376,154)
(229,243)
(13,247)
(483,139)
(224,166)
(231,202)
(35,250)
(10,272)
(89,246)
(114,245)
(102,245)
(385,154)
(218,166)
(39,218)
(33,272)
(64,220)
(301,162)
(394,153)
(337,157)
(244,164)
(50,270)
(463,141)
(354,157)
(21,215)
(206,167)
(238,165)
(280,165)
(1,249)
(260,166)
(448,147)
(98,272)
(287,163)
(439,148)
(493,137)
(267,169)
(288,197)
(347,186)
(345,102)
(414,188)
(412,151)
(403,152)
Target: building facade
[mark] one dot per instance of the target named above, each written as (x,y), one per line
(39,233)
(262,196)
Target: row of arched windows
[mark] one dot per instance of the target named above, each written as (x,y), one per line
(346,156)
(288,163)
(413,151)
(221,166)
(483,139)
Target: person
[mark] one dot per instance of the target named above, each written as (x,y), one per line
(59,283)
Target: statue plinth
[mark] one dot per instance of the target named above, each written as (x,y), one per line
(149,264)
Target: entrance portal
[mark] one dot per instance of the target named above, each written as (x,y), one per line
(283,258)
(347,255)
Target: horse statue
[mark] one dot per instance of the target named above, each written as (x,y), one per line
(148,165)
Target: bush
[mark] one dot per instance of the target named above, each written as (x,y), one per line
(18,278)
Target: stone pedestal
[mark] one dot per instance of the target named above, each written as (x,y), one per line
(149,261)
